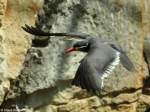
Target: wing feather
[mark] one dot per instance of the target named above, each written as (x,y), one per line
(38,32)
(87,77)
(96,66)
(126,62)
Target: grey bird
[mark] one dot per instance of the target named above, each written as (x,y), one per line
(102,58)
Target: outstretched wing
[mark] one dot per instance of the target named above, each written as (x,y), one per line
(34,31)
(126,62)
(38,32)
(94,68)
(87,77)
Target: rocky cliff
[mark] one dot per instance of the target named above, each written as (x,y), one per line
(39,79)
(14,43)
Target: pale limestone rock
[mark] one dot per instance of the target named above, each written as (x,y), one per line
(118,21)
(94,102)
(47,72)
(143,103)
(13,41)
(126,98)
(98,18)
(146,34)
(48,108)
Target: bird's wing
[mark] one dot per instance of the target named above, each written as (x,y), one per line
(90,74)
(126,62)
(34,31)
(87,77)
(38,32)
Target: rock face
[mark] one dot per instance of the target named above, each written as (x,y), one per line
(146,33)
(44,82)
(97,18)
(2,53)
(13,44)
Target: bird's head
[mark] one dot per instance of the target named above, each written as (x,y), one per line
(79,46)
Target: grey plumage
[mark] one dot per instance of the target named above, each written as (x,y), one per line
(97,64)
(101,59)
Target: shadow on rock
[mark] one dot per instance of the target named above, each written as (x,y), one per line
(146,87)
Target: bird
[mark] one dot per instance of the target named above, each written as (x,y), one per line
(102,57)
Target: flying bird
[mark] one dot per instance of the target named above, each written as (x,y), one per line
(102,58)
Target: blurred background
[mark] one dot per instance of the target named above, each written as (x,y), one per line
(38,79)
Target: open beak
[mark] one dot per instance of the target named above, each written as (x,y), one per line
(70,50)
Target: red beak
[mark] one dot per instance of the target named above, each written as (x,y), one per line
(70,50)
